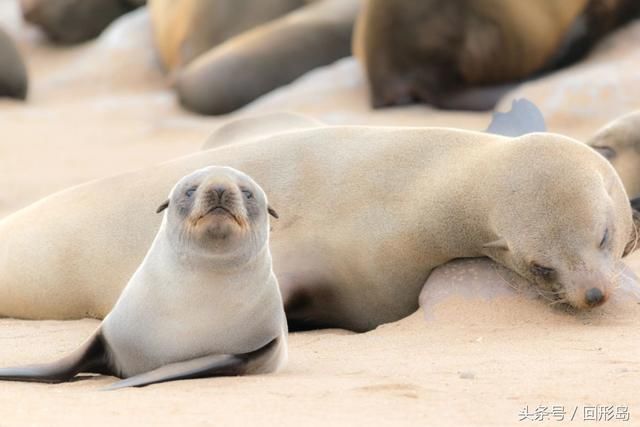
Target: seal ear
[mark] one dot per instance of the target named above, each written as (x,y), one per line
(606,152)
(163,206)
(634,239)
(272,212)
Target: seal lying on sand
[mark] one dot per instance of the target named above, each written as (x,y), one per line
(619,142)
(204,301)
(366,214)
(185,29)
(74,21)
(13,73)
(462,54)
(247,66)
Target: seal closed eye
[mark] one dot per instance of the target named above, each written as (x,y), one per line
(204,302)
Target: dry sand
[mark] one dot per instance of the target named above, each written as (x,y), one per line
(104,107)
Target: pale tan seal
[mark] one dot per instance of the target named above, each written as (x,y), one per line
(254,63)
(257,127)
(366,214)
(74,21)
(460,54)
(185,29)
(619,142)
(204,301)
(14,81)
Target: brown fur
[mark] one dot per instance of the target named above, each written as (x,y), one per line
(245,67)
(431,50)
(185,29)
(74,21)
(13,73)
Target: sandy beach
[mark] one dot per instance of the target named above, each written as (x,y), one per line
(104,107)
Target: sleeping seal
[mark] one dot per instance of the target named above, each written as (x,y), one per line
(204,302)
(367,214)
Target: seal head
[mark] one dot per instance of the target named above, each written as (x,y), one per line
(569,234)
(218,212)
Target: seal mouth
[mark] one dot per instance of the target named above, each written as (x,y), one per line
(218,211)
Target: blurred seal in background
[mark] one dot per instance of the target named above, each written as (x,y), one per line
(185,29)
(13,73)
(619,142)
(433,51)
(254,63)
(75,21)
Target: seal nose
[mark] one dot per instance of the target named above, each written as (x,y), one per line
(594,297)
(219,190)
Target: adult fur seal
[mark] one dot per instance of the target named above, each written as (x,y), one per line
(74,21)
(619,142)
(366,214)
(13,73)
(247,66)
(437,51)
(185,29)
(204,301)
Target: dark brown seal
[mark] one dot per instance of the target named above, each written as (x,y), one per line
(74,21)
(433,51)
(13,73)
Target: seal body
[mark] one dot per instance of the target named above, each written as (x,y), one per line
(74,21)
(203,302)
(366,214)
(435,51)
(271,55)
(13,73)
(185,29)
(619,142)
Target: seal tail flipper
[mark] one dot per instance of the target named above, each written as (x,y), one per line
(262,360)
(89,357)
(524,117)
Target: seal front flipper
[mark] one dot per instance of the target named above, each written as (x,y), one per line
(89,357)
(264,359)
(523,118)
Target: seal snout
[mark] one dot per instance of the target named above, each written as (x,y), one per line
(595,297)
(221,198)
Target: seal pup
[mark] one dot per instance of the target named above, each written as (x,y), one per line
(74,21)
(185,29)
(367,213)
(13,73)
(619,142)
(204,301)
(466,54)
(254,63)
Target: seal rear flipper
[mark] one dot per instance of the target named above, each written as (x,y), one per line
(264,359)
(89,357)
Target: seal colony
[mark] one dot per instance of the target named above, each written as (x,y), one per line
(204,302)
(366,214)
